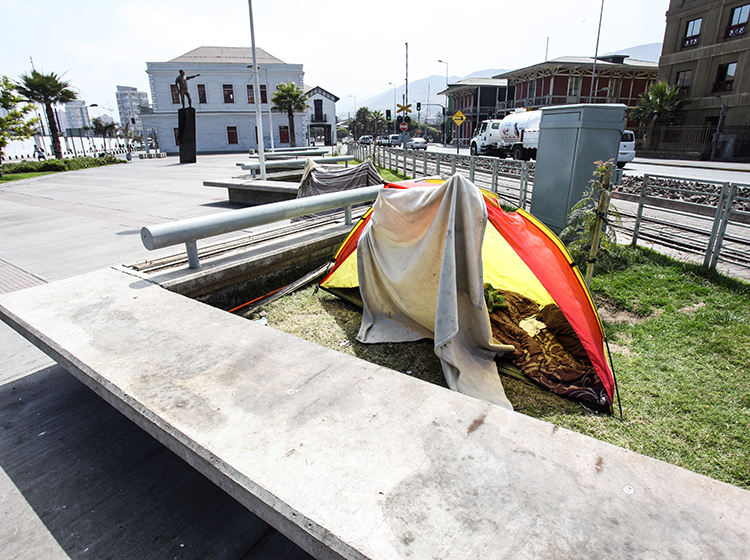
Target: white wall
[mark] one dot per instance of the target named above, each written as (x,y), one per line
(213,117)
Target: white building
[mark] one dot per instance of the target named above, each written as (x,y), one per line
(129,103)
(77,114)
(224,99)
(322,115)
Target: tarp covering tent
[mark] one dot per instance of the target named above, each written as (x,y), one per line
(426,259)
(316,179)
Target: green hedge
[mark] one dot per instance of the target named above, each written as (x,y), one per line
(60,164)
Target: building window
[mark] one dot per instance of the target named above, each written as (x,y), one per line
(175,93)
(176,136)
(263,94)
(202,93)
(532,89)
(284,134)
(232,135)
(691,33)
(725,77)
(683,81)
(574,86)
(737,21)
(228,93)
(614,87)
(250,94)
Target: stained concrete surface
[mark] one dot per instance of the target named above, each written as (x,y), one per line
(62,225)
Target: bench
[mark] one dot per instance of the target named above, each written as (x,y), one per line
(352,460)
(254,167)
(253,192)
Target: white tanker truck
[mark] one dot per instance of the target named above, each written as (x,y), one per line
(516,135)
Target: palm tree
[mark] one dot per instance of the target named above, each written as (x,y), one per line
(661,104)
(103,129)
(47,90)
(377,119)
(289,98)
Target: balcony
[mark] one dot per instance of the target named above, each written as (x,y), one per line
(726,85)
(684,90)
(735,30)
(690,41)
(318,117)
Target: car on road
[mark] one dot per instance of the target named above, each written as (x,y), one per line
(416,143)
(383,141)
(626,153)
(365,139)
(395,139)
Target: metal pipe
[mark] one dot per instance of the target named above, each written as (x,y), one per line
(200,227)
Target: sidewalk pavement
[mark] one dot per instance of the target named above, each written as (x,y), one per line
(59,226)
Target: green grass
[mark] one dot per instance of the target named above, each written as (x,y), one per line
(19,176)
(681,357)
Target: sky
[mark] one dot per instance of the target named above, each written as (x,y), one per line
(355,49)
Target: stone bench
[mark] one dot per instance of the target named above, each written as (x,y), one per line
(352,460)
(152,155)
(254,191)
(254,167)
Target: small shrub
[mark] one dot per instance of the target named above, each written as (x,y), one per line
(51,165)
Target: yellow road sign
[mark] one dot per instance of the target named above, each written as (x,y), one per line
(403,108)
(458,118)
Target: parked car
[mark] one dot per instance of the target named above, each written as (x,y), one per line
(416,143)
(626,153)
(383,141)
(395,139)
(366,139)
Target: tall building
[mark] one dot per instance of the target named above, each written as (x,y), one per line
(129,103)
(223,96)
(77,114)
(706,53)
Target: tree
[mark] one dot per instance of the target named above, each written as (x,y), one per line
(377,120)
(661,104)
(103,129)
(13,123)
(289,98)
(47,90)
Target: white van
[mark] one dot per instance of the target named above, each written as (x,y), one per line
(626,153)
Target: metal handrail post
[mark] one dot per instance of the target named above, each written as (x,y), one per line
(639,214)
(722,227)
(712,246)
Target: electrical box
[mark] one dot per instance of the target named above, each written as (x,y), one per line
(571,139)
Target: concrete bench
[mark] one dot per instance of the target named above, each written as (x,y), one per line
(152,155)
(254,167)
(352,460)
(254,192)
(295,155)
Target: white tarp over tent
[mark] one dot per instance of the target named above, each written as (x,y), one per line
(415,237)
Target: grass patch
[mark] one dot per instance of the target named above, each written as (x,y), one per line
(19,176)
(27,168)
(680,337)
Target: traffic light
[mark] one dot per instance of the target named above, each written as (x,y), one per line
(399,119)
(387,114)
(419,106)
(407,119)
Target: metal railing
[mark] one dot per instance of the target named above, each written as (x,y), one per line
(189,231)
(511,180)
(717,226)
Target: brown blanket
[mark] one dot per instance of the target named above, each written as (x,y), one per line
(555,357)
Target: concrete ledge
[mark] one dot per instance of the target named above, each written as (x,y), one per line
(253,192)
(152,155)
(353,460)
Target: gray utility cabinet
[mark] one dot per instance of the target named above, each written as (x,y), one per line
(571,139)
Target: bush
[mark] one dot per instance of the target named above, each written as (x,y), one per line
(60,164)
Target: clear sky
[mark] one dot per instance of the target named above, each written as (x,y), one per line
(346,47)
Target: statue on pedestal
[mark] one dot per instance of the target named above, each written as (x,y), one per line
(182,86)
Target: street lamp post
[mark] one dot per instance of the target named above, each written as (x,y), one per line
(445,115)
(355,116)
(393,115)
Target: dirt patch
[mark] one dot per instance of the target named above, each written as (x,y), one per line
(691,308)
(610,313)
(620,349)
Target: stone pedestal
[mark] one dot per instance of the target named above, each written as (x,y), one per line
(186,134)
